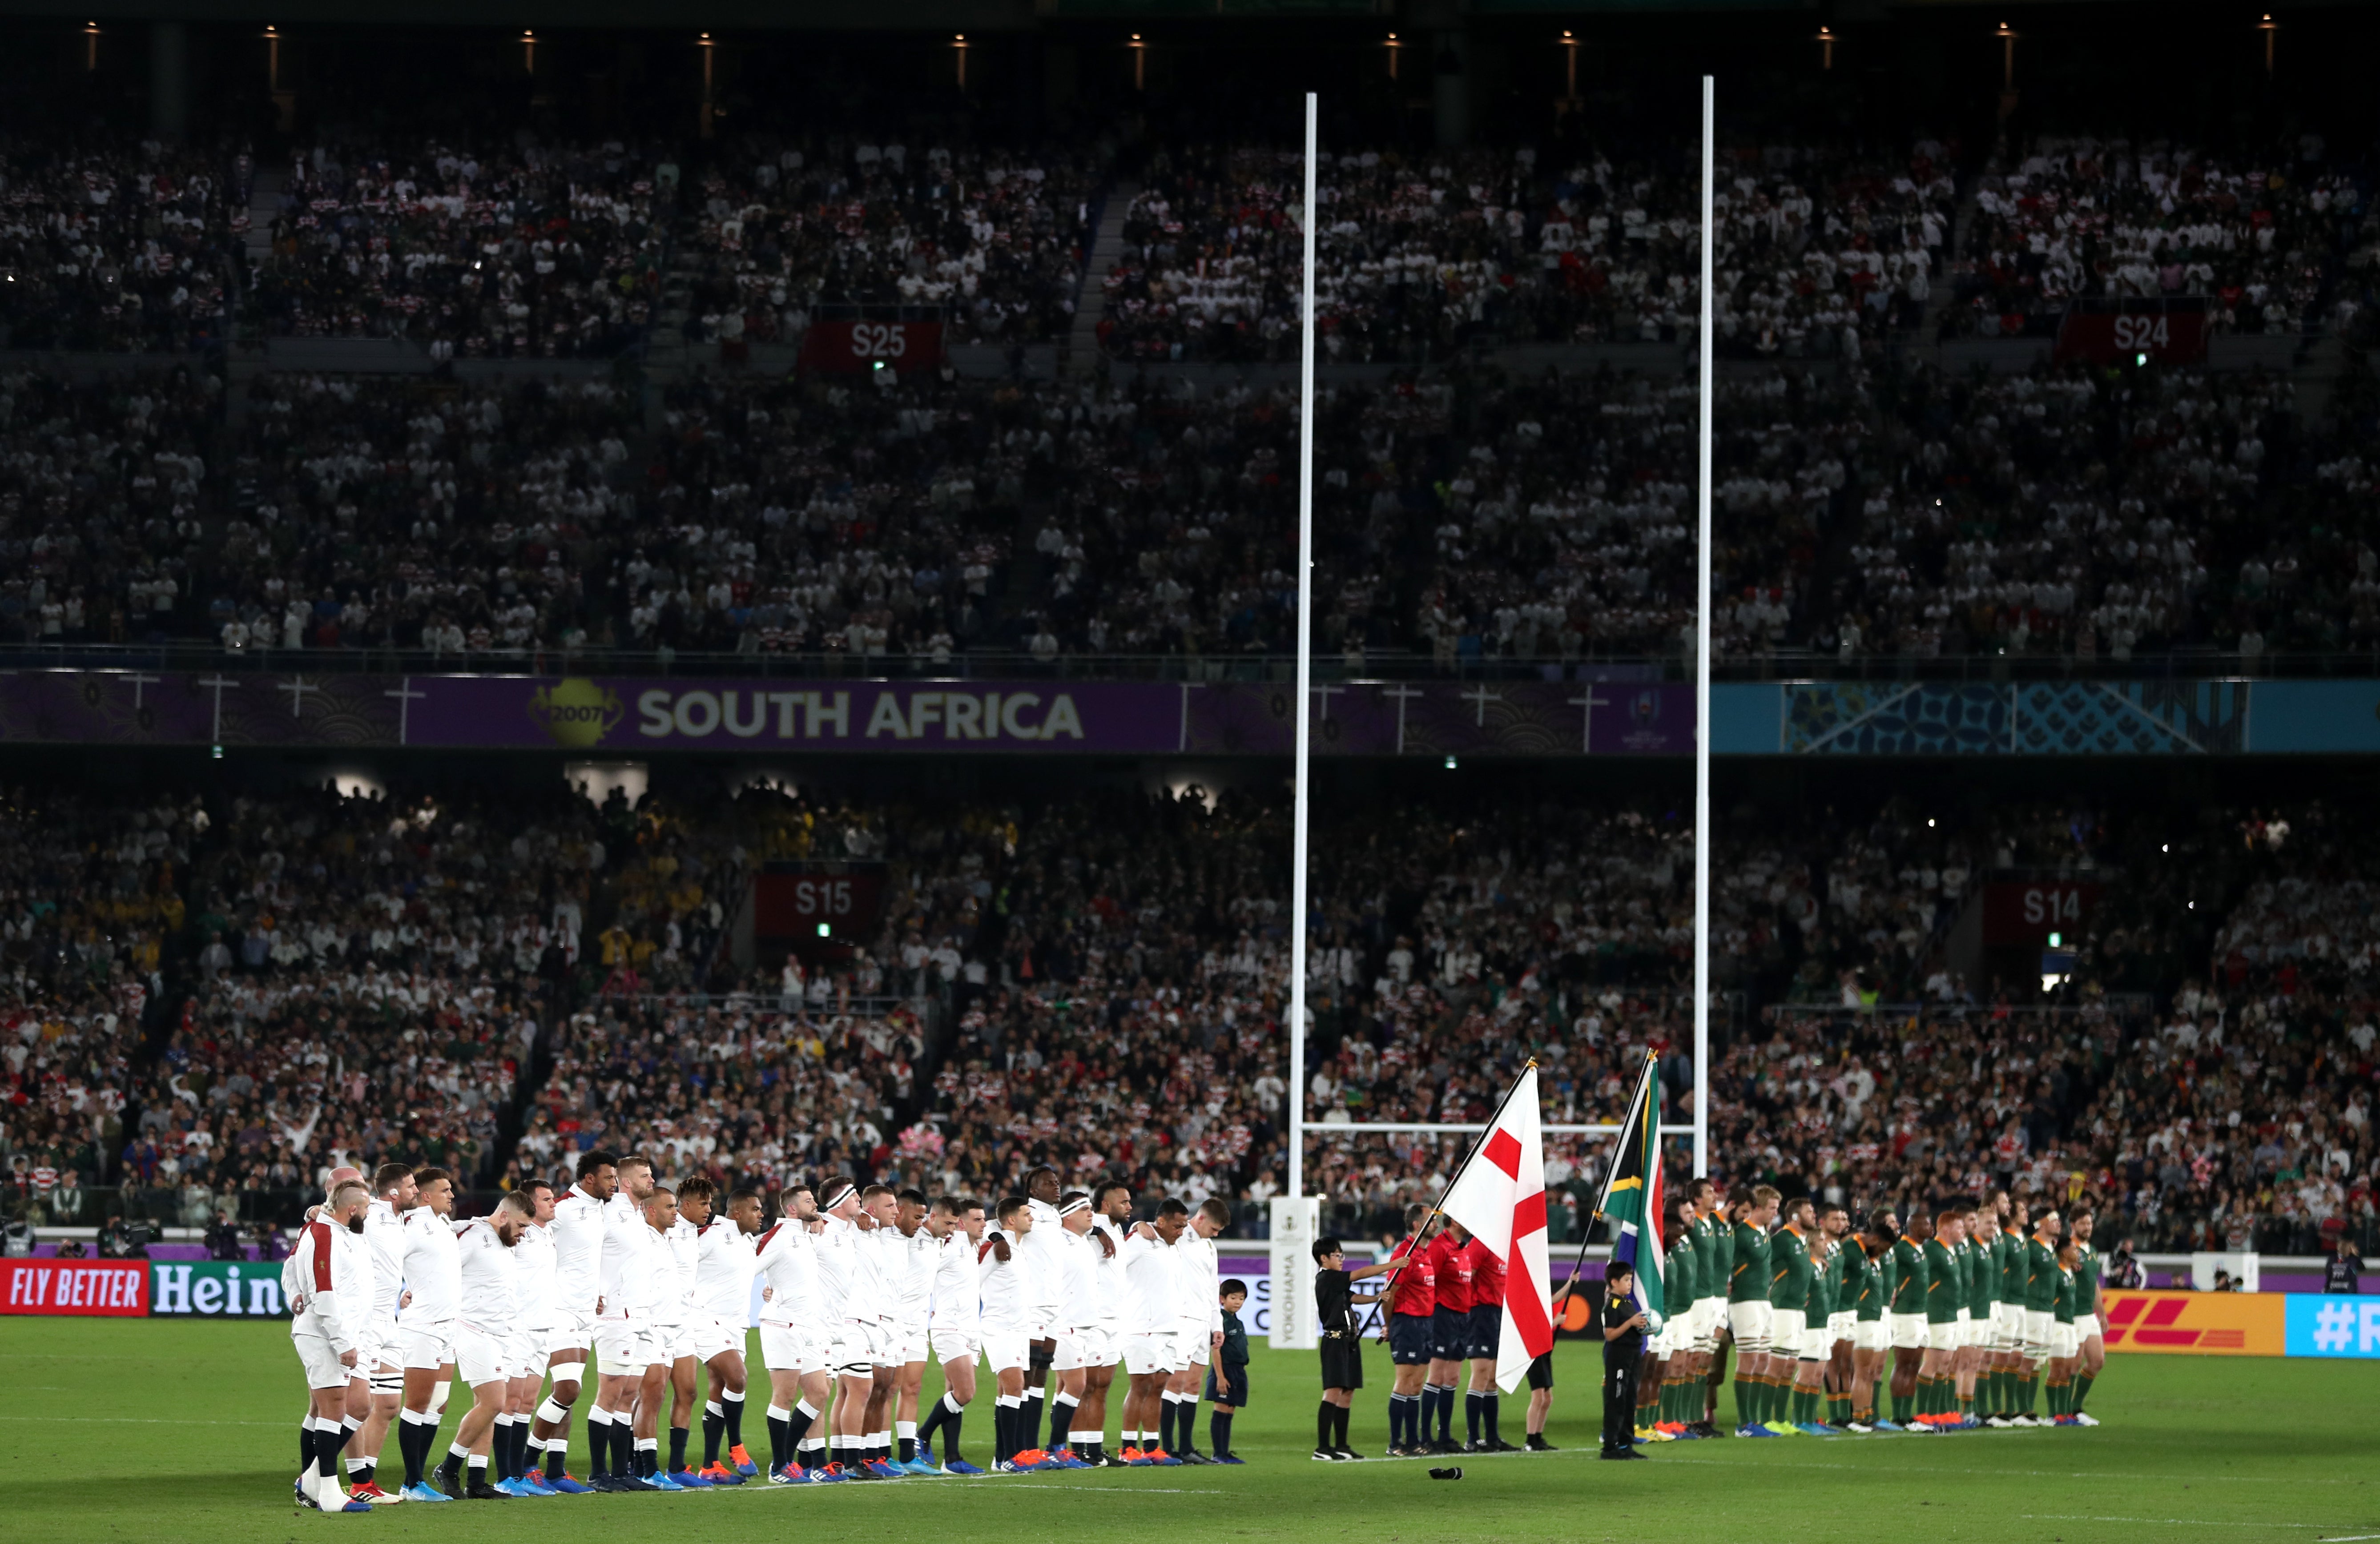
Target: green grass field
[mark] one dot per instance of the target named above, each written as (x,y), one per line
(142,1431)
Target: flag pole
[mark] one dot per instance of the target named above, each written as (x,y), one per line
(1703,672)
(1635,1106)
(1301,796)
(1478,1142)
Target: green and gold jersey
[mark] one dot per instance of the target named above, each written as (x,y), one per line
(1984,1289)
(1714,1257)
(2062,1306)
(1789,1269)
(1943,1281)
(1678,1292)
(1862,1283)
(2012,1268)
(1747,1279)
(1908,1277)
(2086,1282)
(2040,1276)
(1821,1301)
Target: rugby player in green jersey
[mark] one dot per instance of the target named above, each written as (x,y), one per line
(2010,1340)
(1863,1286)
(1906,1305)
(1680,1389)
(1946,1287)
(1983,1302)
(1749,1209)
(1836,1224)
(1789,1314)
(1714,1261)
(2086,1313)
(2065,1346)
(1810,1366)
(2040,1315)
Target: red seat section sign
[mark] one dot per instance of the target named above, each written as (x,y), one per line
(851,348)
(2026,911)
(2170,331)
(796,906)
(117,1289)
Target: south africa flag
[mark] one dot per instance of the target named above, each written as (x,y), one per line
(1632,1199)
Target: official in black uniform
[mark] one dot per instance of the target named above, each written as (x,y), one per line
(1623,1323)
(1343,1351)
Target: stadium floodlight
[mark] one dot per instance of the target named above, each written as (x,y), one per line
(1703,671)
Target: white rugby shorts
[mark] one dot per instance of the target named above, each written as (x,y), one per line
(2086,1325)
(909,1342)
(1709,1317)
(1817,1345)
(955,1345)
(2007,1326)
(480,1356)
(1868,1334)
(1839,1323)
(427,1345)
(524,1353)
(1142,1354)
(1909,1332)
(1750,1324)
(1092,1347)
(1191,1344)
(792,1348)
(860,1346)
(324,1368)
(572,1330)
(714,1336)
(2038,1323)
(1943,1337)
(1673,1337)
(2064,1342)
(1003,1349)
(1786,1327)
(624,1348)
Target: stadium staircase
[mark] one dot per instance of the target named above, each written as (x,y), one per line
(1079,355)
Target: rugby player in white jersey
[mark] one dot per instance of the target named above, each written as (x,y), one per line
(328,1284)
(1087,1336)
(488,1306)
(359,1393)
(425,1325)
(1011,1296)
(580,1221)
(1152,1276)
(540,1288)
(1111,1221)
(674,1319)
(1042,1247)
(793,1343)
(910,1253)
(723,1305)
(954,1324)
(1198,1327)
(625,1355)
(853,1294)
(393,1195)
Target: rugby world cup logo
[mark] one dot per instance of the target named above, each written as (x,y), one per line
(576,712)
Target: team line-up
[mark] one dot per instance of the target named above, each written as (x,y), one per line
(394,1300)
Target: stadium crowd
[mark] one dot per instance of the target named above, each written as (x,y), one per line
(528,251)
(124,248)
(2259,238)
(1417,254)
(1096,983)
(992,241)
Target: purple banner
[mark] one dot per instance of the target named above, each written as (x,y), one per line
(625,714)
